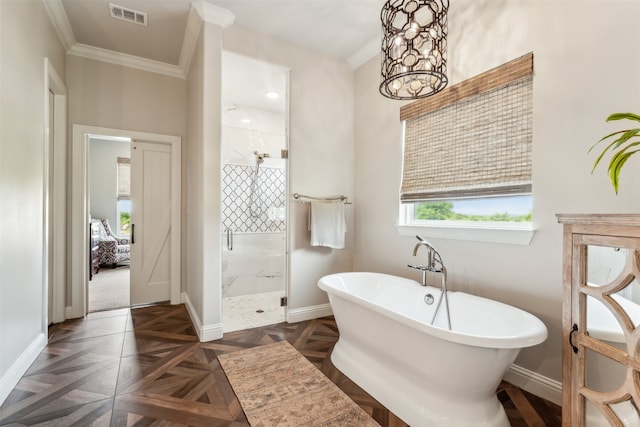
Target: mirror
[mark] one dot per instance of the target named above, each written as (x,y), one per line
(607,266)
(604,264)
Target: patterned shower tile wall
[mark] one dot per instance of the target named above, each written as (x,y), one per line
(262,212)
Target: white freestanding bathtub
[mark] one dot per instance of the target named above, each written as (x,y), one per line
(426,375)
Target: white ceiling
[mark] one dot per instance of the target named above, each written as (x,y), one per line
(336,27)
(161,40)
(347,29)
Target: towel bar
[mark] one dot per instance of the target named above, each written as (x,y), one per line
(298,197)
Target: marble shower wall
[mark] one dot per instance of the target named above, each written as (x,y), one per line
(255,265)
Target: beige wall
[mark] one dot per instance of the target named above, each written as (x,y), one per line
(320,153)
(584,69)
(22,90)
(321,157)
(203,278)
(211,176)
(112,96)
(192,173)
(103,184)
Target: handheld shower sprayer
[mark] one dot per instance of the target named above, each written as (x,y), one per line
(253,197)
(261,156)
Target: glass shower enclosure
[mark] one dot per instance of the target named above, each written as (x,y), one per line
(254,193)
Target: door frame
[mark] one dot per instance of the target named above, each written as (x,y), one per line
(79,218)
(54,196)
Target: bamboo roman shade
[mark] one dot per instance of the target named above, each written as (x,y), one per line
(473,139)
(124,178)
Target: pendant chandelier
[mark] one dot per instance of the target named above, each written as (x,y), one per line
(414,48)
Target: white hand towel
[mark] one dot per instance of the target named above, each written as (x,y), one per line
(328,224)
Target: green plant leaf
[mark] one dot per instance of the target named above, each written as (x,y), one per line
(614,172)
(595,164)
(623,116)
(626,136)
(605,137)
(615,159)
(616,166)
(621,147)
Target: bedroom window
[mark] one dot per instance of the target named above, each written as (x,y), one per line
(467,154)
(124,195)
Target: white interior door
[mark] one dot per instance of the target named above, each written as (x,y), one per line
(151,211)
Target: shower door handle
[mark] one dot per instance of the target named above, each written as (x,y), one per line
(229,239)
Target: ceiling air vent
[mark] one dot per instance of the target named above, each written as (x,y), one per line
(126,14)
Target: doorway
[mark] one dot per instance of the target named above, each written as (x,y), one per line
(254,153)
(108,287)
(168,231)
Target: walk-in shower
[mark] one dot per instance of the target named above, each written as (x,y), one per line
(254,188)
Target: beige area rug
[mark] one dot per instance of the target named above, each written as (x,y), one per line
(109,289)
(278,386)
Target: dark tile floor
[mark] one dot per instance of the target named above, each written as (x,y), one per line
(145,366)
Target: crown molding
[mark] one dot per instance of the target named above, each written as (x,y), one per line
(365,53)
(60,22)
(194,23)
(214,14)
(200,11)
(126,60)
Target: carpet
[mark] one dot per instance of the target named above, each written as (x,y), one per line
(109,289)
(278,386)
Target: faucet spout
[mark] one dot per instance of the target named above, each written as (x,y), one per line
(429,252)
(434,260)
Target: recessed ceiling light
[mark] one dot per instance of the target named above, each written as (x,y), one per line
(272,94)
(245,121)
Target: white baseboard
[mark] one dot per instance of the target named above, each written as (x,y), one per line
(535,383)
(68,312)
(307,313)
(205,332)
(17,370)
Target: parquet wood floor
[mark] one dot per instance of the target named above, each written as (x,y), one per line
(145,367)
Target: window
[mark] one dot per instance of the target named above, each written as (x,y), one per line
(487,209)
(124,195)
(124,215)
(467,157)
